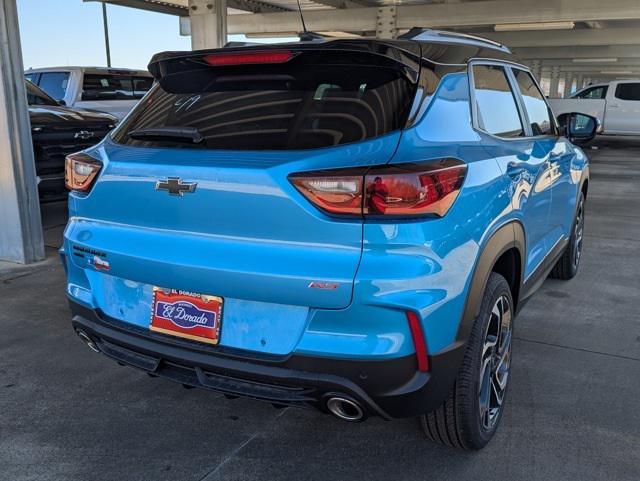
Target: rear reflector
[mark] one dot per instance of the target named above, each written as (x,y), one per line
(244,58)
(402,190)
(418,341)
(80,170)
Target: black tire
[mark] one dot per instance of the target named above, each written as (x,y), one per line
(458,422)
(567,266)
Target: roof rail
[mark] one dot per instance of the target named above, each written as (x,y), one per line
(430,35)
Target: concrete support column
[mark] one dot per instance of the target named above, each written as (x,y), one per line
(386,22)
(543,80)
(208,20)
(555,81)
(20,224)
(568,83)
(536,69)
(579,82)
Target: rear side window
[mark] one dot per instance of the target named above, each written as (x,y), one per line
(32,77)
(54,83)
(35,96)
(628,91)
(114,87)
(593,93)
(534,103)
(496,108)
(297,105)
(141,85)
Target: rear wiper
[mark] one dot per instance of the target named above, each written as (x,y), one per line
(168,133)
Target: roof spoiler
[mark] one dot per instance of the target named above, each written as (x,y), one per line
(167,66)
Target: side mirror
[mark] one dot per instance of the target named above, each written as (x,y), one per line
(578,128)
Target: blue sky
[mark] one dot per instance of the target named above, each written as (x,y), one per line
(69,32)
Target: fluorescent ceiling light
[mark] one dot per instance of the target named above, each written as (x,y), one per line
(617,72)
(511,27)
(594,60)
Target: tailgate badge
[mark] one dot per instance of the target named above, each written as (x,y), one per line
(323,285)
(175,186)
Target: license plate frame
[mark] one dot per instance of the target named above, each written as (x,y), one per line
(189,315)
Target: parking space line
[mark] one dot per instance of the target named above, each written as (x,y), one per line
(561,346)
(215,471)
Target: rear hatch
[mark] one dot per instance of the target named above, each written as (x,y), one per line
(239,229)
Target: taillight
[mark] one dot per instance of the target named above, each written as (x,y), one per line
(245,58)
(80,171)
(403,190)
(336,192)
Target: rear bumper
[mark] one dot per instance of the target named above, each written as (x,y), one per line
(390,388)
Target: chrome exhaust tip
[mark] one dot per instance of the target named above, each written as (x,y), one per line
(345,409)
(87,340)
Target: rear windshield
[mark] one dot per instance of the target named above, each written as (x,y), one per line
(297,105)
(114,86)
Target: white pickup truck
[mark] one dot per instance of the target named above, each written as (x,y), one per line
(112,90)
(616,104)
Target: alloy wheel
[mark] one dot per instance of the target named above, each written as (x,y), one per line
(495,362)
(578,234)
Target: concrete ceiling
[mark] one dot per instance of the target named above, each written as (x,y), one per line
(605,36)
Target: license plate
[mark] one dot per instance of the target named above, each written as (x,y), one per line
(186,314)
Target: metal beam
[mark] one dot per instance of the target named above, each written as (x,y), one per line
(600,68)
(442,15)
(208,23)
(342,3)
(169,8)
(20,225)
(616,51)
(569,63)
(564,38)
(256,6)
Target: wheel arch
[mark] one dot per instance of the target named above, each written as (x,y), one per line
(504,253)
(584,188)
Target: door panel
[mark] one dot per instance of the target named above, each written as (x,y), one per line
(561,155)
(623,109)
(526,165)
(523,160)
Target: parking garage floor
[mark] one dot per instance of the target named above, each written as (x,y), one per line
(573,413)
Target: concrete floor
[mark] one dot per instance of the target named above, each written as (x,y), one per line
(573,411)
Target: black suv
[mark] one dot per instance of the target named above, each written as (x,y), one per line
(57,131)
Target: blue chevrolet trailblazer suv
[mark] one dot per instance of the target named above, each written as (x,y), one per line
(350,225)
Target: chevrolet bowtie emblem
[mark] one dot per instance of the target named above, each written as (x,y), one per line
(175,186)
(83,134)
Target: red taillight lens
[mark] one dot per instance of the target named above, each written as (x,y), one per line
(429,189)
(80,171)
(244,58)
(405,190)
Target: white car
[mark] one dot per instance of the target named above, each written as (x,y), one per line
(112,90)
(616,104)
